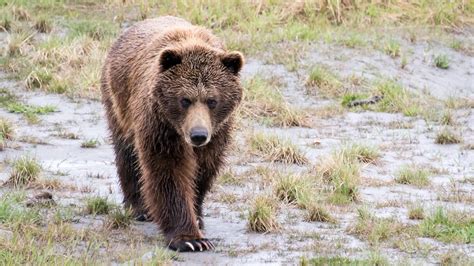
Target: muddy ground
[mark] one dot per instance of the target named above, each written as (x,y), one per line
(92,171)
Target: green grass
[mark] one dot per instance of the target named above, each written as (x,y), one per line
(323,82)
(392,48)
(262,215)
(13,211)
(361,152)
(90,143)
(74,62)
(98,205)
(118,218)
(25,170)
(373,259)
(373,229)
(413,175)
(341,171)
(276,149)
(397,99)
(449,226)
(447,136)
(347,98)
(441,61)
(293,189)
(6,130)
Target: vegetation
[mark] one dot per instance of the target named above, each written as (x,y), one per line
(90,143)
(276,149)
(326,83)
(98,205)
(449,226)
(25,170)
(262,215)
(446,136)
(441,61)
(412,175)
(263,101)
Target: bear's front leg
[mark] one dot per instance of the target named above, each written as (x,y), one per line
(168,189)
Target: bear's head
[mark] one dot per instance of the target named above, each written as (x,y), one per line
(198,87)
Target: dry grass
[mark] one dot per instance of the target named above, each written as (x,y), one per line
(276,149)
(373,229)
(413,175)
(416,212)
(318,213)
(264,102)
(341,171)
(262,215)
(447,136)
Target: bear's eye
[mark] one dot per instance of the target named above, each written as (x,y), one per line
(211,103)
(185,103)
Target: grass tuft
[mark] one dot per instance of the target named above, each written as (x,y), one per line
(446,136)
(43,25)
(25,170)
(276,149)
(264,102)
(321,81)
(449,226)
(441,61)
(341,171)
(375,229)
(392,48)
(416,213)
(293,189)
(412,175)
(262,215)
(90,143)
(317,213)
(119,218)
(6,129)
(98,205)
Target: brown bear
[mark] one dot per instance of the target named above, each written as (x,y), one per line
(169,89)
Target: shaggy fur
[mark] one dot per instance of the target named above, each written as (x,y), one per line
(150,69)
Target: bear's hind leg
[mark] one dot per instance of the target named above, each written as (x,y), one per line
(129,174)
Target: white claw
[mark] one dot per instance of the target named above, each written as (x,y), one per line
(190,245)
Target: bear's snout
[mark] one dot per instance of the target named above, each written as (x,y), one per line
(198,136)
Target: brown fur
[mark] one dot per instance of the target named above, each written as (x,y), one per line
(149,70)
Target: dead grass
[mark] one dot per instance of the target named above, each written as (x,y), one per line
(276,149)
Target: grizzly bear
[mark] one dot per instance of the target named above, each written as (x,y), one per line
(170,90)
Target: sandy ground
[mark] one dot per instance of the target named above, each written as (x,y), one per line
(226,223)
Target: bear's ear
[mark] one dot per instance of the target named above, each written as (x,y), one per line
(168,59)
(233,61)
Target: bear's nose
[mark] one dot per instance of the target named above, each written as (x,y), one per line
(198,136)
